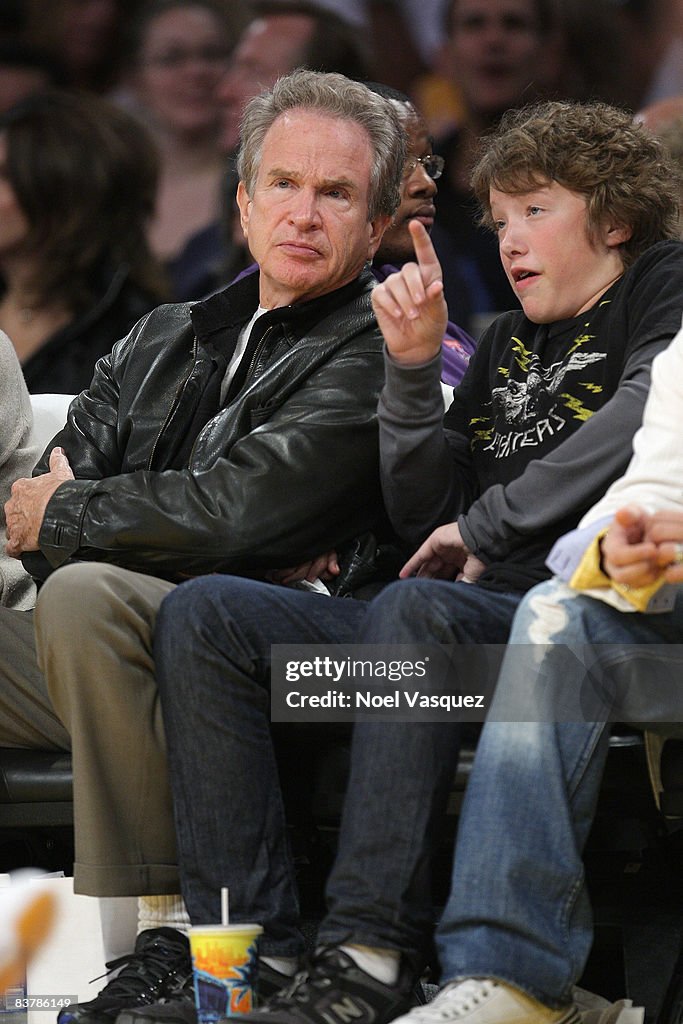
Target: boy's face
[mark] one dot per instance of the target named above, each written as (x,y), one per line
(556,270)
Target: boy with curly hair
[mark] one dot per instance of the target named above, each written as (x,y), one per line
(584,205)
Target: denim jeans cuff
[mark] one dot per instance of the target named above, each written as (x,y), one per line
(292,947)
(414,959)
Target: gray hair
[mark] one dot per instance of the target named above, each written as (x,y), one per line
(334,96)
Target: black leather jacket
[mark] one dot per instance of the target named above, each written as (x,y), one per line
(171,484)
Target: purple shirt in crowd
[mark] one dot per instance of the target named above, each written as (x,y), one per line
(457,346)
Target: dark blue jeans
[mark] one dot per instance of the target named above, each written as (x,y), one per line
(212,651)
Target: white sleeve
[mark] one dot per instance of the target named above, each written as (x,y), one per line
(654,477)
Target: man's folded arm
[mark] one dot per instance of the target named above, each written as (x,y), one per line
(301,482)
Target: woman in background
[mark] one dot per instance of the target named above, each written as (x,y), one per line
(78,180)
(178,54)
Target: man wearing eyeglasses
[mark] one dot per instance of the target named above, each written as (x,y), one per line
(418,190)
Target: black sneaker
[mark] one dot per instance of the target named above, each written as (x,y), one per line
(269,982)
(178,1007)
(161,959)
(334,990)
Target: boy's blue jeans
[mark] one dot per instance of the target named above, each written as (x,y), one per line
(212,653)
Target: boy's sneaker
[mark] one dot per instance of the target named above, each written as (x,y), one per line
(270,982)
(485,1001)
(155,969)
(27,914)
(178,1007)
(334,990)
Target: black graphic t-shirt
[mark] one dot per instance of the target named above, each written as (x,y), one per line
(541,424)
(547,381)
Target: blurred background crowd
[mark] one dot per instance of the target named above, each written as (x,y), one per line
(119,120)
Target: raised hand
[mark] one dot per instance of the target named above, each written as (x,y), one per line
(410,307)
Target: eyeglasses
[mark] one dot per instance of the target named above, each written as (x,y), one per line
(432,165)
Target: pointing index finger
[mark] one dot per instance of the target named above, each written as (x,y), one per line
(425,255)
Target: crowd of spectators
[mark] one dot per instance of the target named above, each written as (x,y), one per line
(79,182)
(184,69)
(125,182)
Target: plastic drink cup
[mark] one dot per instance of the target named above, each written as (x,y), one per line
(224,963)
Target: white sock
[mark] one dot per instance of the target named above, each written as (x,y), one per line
(283,964)
(381,964)
(162,912)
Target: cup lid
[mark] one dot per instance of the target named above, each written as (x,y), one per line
(239,926)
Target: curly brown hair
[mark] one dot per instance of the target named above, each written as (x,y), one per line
(593,149)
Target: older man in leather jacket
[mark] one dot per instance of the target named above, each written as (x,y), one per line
(237,434)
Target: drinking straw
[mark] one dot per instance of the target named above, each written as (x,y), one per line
(225,905)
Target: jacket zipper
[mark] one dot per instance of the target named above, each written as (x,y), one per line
(257,354)
(254,358)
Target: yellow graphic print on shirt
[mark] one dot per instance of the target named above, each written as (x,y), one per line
(536,404)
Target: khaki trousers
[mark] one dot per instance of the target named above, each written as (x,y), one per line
(87,684)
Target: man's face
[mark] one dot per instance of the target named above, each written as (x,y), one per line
(269,47)
(496,53)
(555,269)
(417,194)
(307,221)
